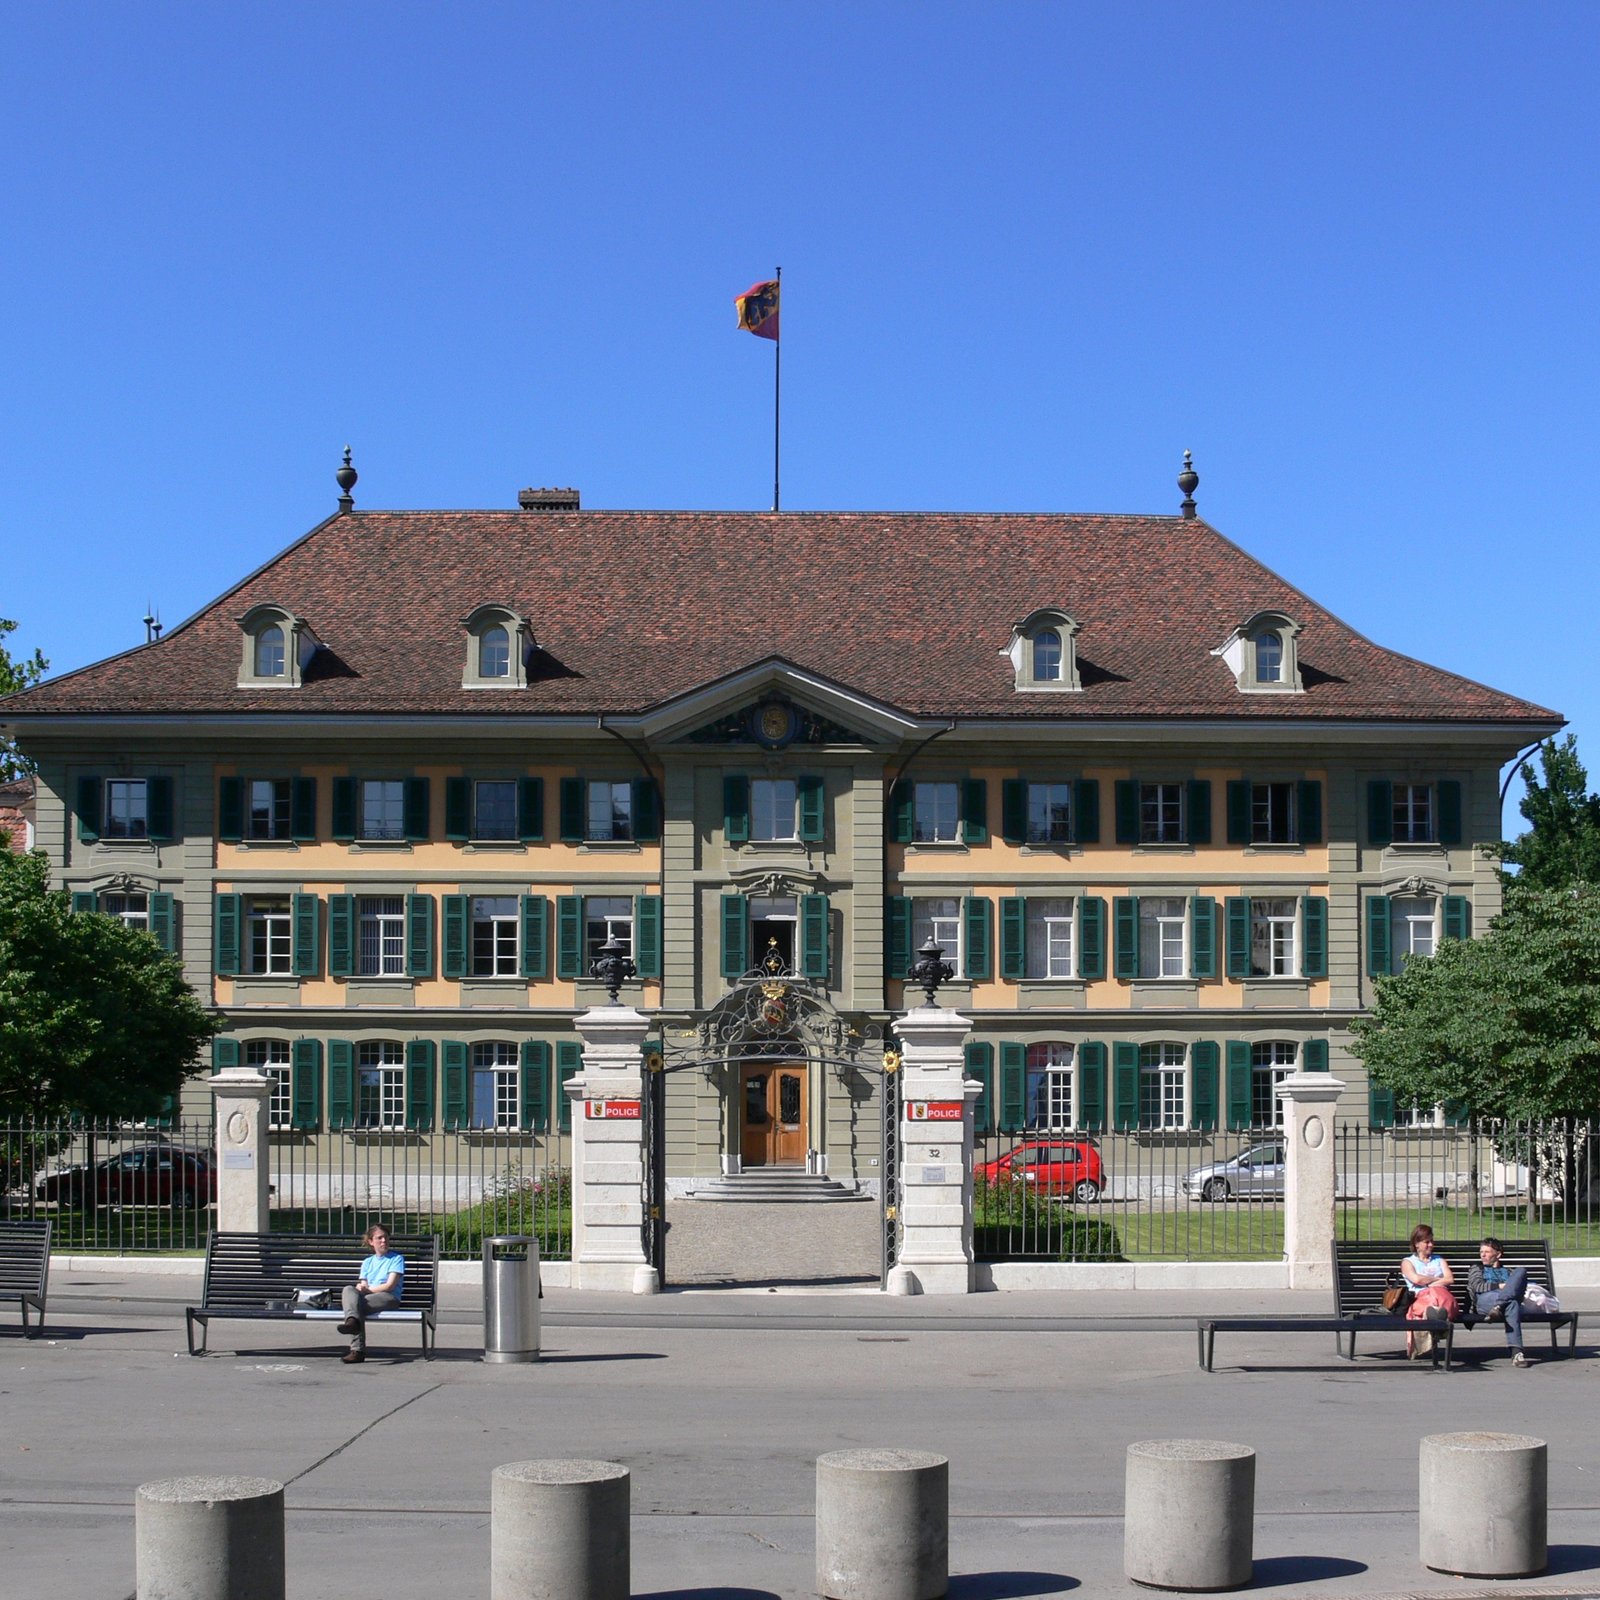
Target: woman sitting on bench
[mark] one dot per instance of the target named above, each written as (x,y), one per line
(379,1288)
(1430,1278)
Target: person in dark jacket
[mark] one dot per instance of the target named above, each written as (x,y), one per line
(1497,1293)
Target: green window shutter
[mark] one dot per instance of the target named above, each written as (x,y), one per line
(1203,1055)
(89,793)
(453,953)
(1379,960)
(344,831)
(569,1063)
(1380,821)
(159,810)
(535,1086)
(1314,1055)
(1239,811)
(735,808)
(303,810)
(813,815)
(457,810)
(902,810)
(1086,811)
(1092,1086)
(646,810)
(1449,792)
(230,810)
(341,1084)
(453,1098)
(897,941)
(1238,914)
(1014,810)
(735,935)
(974,811)
(1127,937)
(530,810)
(341,948)
(814,921)
(420,1057)
(1314,963)
(305,1082)
(647,935)
(85,900)
(224,1055)
(569,936)
(1127,811)
(1457,917)
(977,936)
(1091,936)
(574,814)
(164,921)
(1380,1106)
(306,915)
(1013,937)
(1125,1088)
(1203,937)
(1198,814)
(535,936)
(1308,812)
(227,916)
(417,808)
(1013,1086)
(419,935)
(1240,1085)
(980,1068)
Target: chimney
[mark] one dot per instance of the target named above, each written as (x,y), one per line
(548,499)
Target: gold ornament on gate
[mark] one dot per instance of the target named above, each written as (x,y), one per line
(891,1060)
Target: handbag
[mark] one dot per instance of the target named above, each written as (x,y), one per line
(1540,1298)
(1397,1295)
(313,1299)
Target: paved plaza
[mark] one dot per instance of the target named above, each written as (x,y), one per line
(719,1403)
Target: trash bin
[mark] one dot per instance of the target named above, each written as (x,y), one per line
(511,1298)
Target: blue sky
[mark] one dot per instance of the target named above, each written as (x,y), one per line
(1031,252)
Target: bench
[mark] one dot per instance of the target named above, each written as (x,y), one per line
(25,1268)
(249,1276)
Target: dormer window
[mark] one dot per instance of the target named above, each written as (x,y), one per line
(1263,654)
(277,647)
(1269,657)
(270,660)
(1047,657)
(499,642)
(1043,652)
(494,653)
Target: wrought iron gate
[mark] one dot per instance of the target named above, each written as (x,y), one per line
(654,1112)
(889,1199)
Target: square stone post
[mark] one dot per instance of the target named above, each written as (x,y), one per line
(1310,1185)
(935,1200)
(608,1154)
(242,1096)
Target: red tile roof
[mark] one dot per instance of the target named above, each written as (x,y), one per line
(635,607)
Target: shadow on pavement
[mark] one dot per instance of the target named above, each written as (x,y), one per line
(1008,1585)
(709,1594)
(63,1335)
(1574,1558)
(1277,1570)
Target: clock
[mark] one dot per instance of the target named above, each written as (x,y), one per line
(773,724)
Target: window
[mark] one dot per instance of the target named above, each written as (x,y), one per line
(270,660)
(1043,651)
(270,1057)
(127,813)
(1413,813)
(1049,813)
(494,653)
(494,936)
(610,810)
(380,1085)
(606,917)
(494,810)
(1049,1088)
(1049,939)
(495,1099)
(1272,938)
(497,645)
(1047,656)
(1269,657)
(1163,938)
(269,937)
(383,808)
(268,812)
(1160,813)
(275,647)
(131,909)
(383,936)
(1272,813)
(1270,1064)
(937,815)
(772,808)
(939,920)
(1161,1086)
(1412,928)
(772,928)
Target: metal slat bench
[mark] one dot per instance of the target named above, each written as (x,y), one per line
(244,1271)
(25,1268)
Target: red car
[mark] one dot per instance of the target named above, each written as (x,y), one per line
(146,1175)
(1063,1166)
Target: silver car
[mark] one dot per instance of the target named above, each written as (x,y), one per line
(1258,1171)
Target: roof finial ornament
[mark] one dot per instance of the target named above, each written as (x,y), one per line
(1188,481)
(345,477)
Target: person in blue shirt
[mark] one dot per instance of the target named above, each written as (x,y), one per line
(1497,1292)
(379,1288)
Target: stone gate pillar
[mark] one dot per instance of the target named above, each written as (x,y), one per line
(1310,1189)
(608,1154)
(936,1113)
(242,1096)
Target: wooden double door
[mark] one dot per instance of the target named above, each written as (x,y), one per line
(773,1115)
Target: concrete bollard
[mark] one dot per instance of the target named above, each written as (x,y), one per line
(1189,1520)
(1484,1504)
(209,1539)
(883,1525)
(558,1530)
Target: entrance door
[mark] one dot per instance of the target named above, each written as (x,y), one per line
(772,1116)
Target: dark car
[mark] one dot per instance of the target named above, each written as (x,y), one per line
(145,1175)
(1062,1167)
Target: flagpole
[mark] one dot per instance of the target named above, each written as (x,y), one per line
(777,390)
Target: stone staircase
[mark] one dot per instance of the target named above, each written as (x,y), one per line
(775,1186)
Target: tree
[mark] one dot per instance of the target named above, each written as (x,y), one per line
(95,1018)
(1562,844)
(15,675)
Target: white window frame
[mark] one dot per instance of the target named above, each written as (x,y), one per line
(493,925)
(1045,801)
(1050,937)
(383,809)
(1163,938)
(1269,655)
(945,925)
(494,651)
(1271,1061)
(1415,816)
(270,1057)
(478,829)
(122,906)
(1408,913)
(380,1085)
(271,799)
(605,915)
(608,811)
(1161,813)
(1274,936)
(1165,1066)
(127,809)
(381,936)
(1050,1072)
(1272,813)
(936,811)
(271,654)
(1048,653)
(774,810)
(496,1061)
(269,936)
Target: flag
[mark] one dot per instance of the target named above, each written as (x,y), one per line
(758,309)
